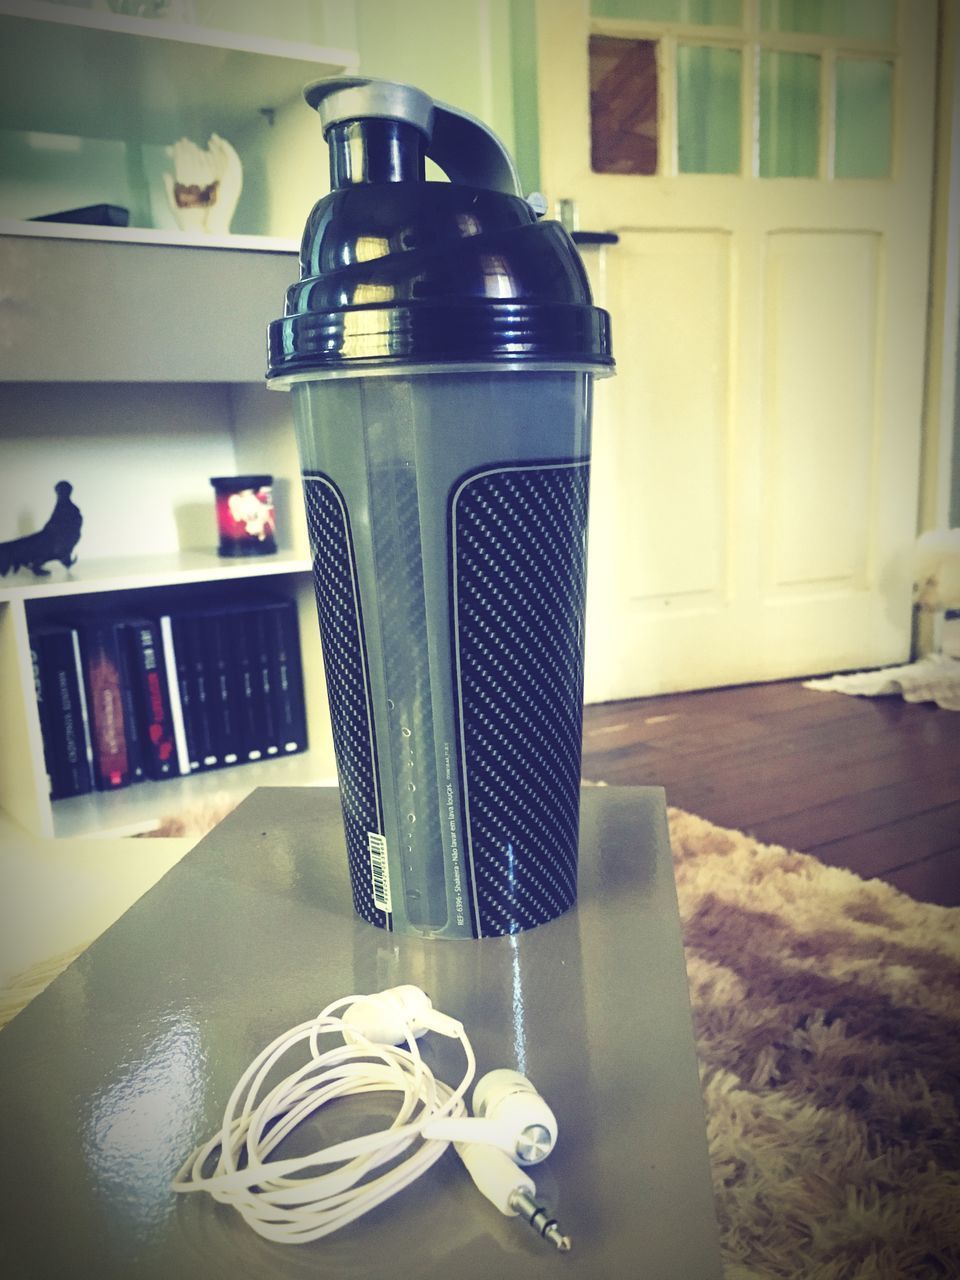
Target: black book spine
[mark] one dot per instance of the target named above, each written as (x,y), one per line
(247,686)
(171,668)
(264,677)
(44,711)
(287,676)
(84,730)
(183,649)
(223,686)
(151,698)
(208,752)
(66,729)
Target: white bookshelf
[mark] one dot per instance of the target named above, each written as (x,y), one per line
(132,365)
(145,235)
(140,809)
(69,70)
(90,100)
(175,569)
(142,806)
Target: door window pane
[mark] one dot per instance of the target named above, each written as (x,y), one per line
(710,13)
(623,105)
(789,115)
(864,118)
(863,19)
(708,109)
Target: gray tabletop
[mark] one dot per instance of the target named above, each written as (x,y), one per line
(124,1064)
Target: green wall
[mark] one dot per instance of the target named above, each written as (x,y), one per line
(474,55)
(479,56)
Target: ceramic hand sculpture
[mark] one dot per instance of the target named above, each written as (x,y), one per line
(55,541)
(205,186)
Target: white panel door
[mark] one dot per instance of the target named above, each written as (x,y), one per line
(756,460)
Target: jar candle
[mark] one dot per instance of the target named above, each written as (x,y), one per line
(246,520)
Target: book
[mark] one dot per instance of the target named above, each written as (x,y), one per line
(165,696)
(170,670)
(287,684)
(223,685)
(64,722)
(132,721)
(44,711)
(256,620)
(247,687)
(103,672)
(183,644)
(99,215)
(151,697)
(206,748)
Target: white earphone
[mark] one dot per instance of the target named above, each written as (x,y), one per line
(510,1118)
(508,1113)
(390,1016)
(512,1125)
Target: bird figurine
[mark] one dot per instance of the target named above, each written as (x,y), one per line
(55,541)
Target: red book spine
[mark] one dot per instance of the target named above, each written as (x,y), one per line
(103,671)
(152,699)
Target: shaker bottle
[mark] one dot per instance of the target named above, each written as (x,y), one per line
(440,347)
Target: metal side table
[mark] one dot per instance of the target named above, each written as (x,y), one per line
(124,1064)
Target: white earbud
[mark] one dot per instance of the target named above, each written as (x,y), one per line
(507,1113)
(390,1016)
(511,1126)
(508,1100)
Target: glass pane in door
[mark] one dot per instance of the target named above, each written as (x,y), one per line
(708,109)
(623,105)
(789,115)
(711,13)
(862,19)
(864,118)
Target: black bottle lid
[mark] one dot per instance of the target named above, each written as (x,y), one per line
(398,271)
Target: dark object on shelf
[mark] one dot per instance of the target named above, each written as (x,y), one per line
(246,520)
(253,734)
(235,681)
(224,704)
(195,687)
(594,237)
(283,642)
(55,541)
(151,700)
(105,674)
(91,215)
(65,727)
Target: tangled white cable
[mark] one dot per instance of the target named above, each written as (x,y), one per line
(303,1198)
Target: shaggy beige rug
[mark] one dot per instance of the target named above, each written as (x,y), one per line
(827,1018)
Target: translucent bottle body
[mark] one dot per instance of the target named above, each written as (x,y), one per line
(447,513)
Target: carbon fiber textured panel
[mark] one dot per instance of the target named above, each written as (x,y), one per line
(519,588)
(348,689)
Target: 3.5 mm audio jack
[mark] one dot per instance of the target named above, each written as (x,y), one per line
(524,1205)
(510,1189)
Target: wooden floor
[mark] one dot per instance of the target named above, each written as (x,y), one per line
(871,784)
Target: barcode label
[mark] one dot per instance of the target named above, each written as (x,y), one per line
(379,874)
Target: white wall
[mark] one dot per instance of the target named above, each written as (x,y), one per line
(140,458)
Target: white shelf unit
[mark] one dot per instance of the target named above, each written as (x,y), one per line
(125,88)
(145,235)
(69,70)
(141,807)
(134,369)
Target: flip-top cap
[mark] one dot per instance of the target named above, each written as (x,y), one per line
(395,270)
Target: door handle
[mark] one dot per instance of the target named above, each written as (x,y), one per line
(569,217)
